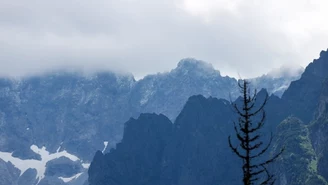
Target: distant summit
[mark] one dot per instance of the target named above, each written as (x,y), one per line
(318,67)
(278,80)
(190,77)
(286,71)
(196,66)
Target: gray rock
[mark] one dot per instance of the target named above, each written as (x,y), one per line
(63,167)
(28,177)
(51,181)
(9,174)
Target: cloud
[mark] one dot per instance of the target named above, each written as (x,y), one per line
(148,36)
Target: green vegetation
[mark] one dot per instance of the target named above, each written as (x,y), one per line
(299,157)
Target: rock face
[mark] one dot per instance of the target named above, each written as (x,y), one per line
(155,151)
(138,155)
(319,134)
(62,167)
(199,149)
(196,152)
(8,172)
(80,113)
(11,175)
(303,94)
(28,177)
(62,110)
(191,77)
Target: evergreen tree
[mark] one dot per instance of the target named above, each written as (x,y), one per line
(251,148)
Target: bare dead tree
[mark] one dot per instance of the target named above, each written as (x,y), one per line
(251,148)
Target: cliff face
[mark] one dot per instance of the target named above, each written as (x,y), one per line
(302,95)
(137,159)
(305,160)
(62,110)
(319,130)
(199,152)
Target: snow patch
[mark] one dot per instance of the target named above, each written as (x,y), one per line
(86,165)
(58,149)
(39,165)
(148,93)
(281,88)
(106,144)
(70,178)
(46,156)
(22,165)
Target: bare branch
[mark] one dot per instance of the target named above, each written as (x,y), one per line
(234,149)
(249,140)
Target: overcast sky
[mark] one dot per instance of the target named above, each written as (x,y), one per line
(248,37)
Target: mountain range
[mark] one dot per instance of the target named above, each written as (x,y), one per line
(194,149)
(51,125)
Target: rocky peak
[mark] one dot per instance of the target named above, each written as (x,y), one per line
(318,67)
(137,159)
(303,94)
(194,66)
(196,106)
(134,128)
(323,53)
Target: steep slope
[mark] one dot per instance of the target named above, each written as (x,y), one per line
(303,94)
(298,163)
(62,112)
(306,157)
(199,151)
(8,172)
(137,159)
(319,135)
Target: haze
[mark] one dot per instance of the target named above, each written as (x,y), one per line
(148,36)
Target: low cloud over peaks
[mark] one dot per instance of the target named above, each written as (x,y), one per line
(286,71)
(149,36)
